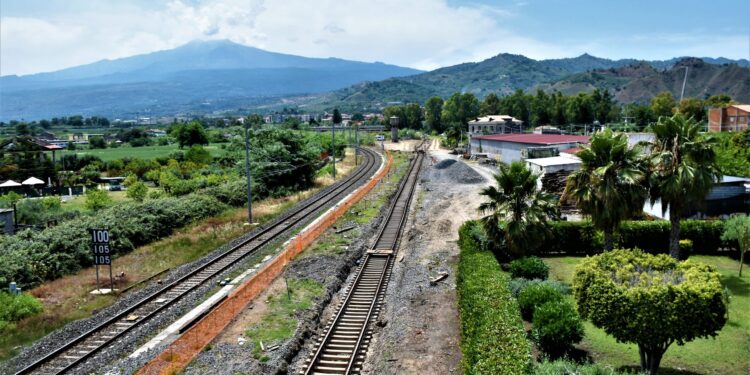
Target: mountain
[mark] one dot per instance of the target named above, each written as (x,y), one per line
(198,77)
(632,80)
(640,82)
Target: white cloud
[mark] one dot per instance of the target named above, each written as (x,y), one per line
(424,34)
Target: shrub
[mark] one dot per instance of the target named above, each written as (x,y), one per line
(737,229)
(137,191)
(686,246)
(650,300)
(529,268)
(557,327)
(96,199)
(492,336)
(534,296)
(519,284)
(14,308)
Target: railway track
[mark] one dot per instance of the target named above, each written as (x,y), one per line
(73,353)
(342,349)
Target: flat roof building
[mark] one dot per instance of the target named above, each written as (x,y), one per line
(508,148)
(494,124)
(733,118)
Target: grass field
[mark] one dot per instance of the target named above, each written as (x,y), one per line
(728,353)
(147,152)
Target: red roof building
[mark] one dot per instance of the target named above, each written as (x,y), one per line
(733,118)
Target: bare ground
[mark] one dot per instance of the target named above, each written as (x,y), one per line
(421,332)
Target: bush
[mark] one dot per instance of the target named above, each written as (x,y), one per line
(519,284)
(137,191)
(686,246)
(32,257)
(96,199)
(492,337)
(529,268)
(534,296)
(650,300)
(14,308)
(557,327)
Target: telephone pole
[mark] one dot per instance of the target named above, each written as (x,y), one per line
(247,172)
(333,147)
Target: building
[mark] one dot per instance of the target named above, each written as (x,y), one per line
(494,124)
(728,196)
(732,118)
(553,171)
(508,148)
(155,133)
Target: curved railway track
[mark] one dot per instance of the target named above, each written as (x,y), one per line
(85,346)
(341,350)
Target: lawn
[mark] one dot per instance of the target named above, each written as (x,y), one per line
(146,152)
(728,353)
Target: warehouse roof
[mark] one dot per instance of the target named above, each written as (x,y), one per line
(536,139)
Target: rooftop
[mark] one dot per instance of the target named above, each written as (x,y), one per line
(536,139)
(554,160)
(744,107)
(494,119)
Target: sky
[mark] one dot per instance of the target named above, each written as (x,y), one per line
(47,35)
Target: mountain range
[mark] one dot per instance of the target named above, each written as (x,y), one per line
(206,77)
(199,77)
(628,79)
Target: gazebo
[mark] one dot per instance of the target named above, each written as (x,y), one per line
(10,184)
(31,181)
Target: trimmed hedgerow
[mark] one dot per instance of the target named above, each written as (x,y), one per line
(568,367)
(492,337)
(529,268)
(519,284)
(581,238)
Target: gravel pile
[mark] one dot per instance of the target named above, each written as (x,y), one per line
(454,170)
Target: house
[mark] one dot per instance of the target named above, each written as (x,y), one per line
(728,196)
(514,147)
(732,118)
(494,124)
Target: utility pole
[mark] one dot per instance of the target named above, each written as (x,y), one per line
(684,81)
(247,172)
(356,147)
(333,147)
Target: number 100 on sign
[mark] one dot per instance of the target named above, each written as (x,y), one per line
(100,246)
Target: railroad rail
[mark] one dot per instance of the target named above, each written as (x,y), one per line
(342,349)
(73,353)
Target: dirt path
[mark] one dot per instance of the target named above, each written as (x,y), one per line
(421,328)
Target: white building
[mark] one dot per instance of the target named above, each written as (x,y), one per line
(508,148)
(494,124)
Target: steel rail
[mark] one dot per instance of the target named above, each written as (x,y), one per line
(340,346)
(184,285)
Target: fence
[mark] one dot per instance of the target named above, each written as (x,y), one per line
(183,350)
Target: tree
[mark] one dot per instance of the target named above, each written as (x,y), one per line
(684,170)
(412,116)
(650,300)
(721,100)
(198,155)
(97,142)
(433,109)
(737,228)
(490,105)
(137,191)
(609,185)
(692,107)
(517,210)
(460,108)
(663,104)
(190,134)
(96,199)
(336,116)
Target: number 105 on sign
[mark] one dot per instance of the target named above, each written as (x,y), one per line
(101,254)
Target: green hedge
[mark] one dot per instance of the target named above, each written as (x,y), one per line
(30,258)
(581,238)
(493,340)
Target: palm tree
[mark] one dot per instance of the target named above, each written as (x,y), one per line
(684,170)
(517,210)
(610,184)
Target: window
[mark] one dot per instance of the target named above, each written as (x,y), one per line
(741,119)
(732,118)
